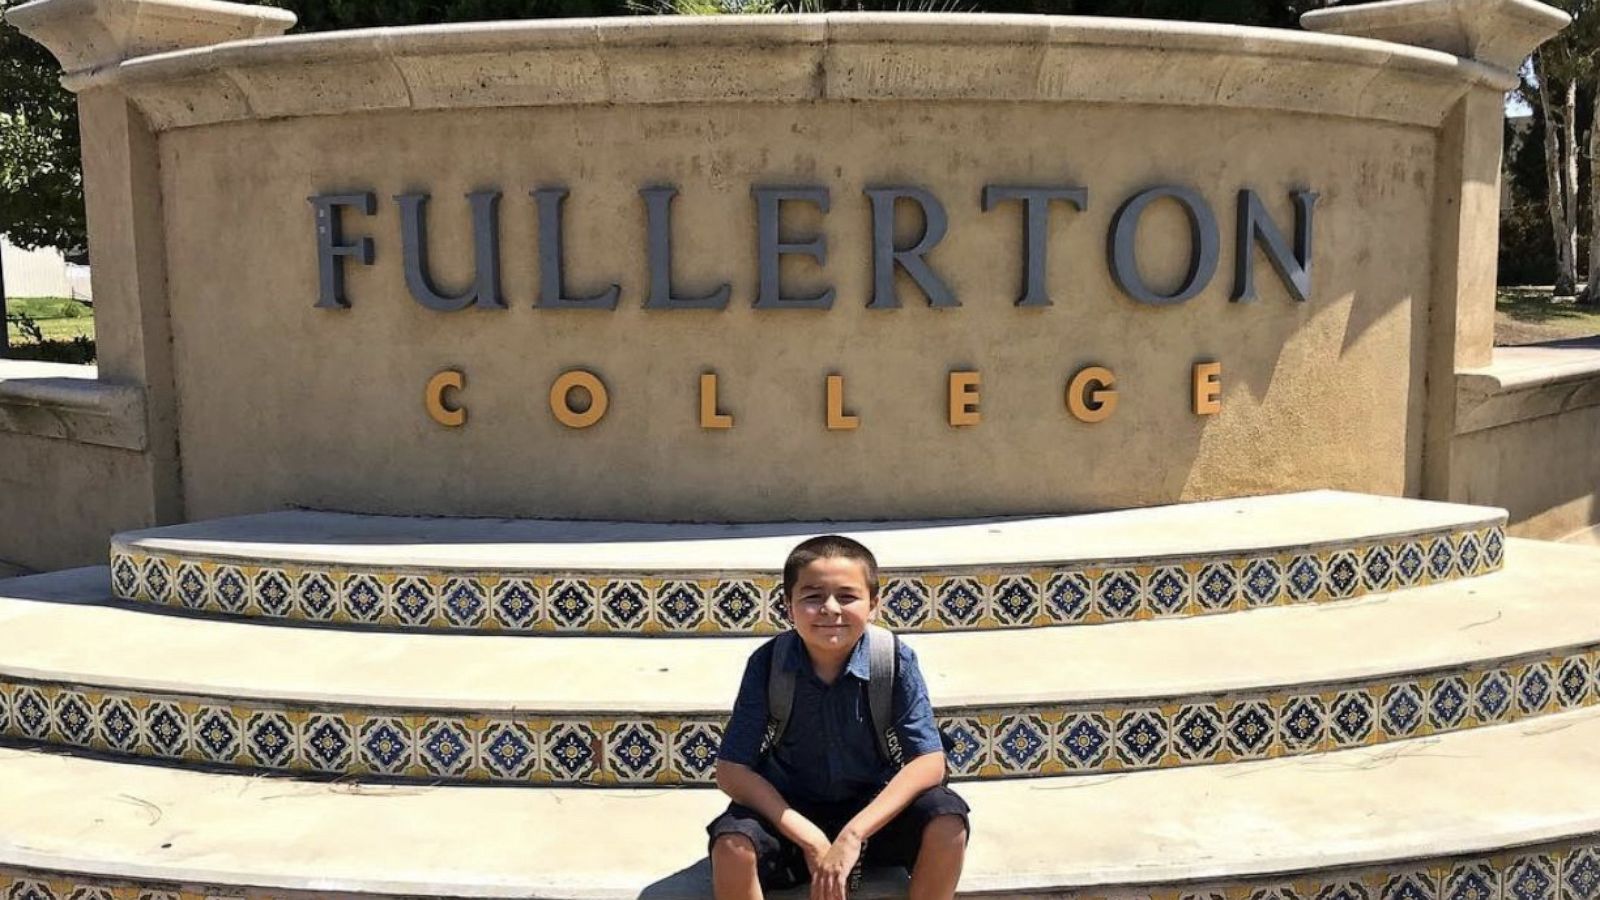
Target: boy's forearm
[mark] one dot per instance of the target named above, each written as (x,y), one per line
(920,774)
(745,786)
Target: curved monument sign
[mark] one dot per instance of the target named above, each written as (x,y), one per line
(806,267)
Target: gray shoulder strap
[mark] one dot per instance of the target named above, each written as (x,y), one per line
(780,689)
(882,650)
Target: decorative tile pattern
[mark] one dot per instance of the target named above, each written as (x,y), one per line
(403,744)
(1561,870)
(968,598)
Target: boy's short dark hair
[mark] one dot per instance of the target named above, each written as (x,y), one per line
(829,546)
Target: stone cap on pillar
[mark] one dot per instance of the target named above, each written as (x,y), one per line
(1500,33)
(84,35)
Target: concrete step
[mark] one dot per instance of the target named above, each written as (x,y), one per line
(522,709)
(1512,810)
(624,578)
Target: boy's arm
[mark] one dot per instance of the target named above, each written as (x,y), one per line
(920,774)
(745,786)
(831,874)
(740,753)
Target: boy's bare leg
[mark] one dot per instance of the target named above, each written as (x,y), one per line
(733,868)
(944,848)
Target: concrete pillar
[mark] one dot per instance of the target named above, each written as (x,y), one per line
(122,190)
(1499,34)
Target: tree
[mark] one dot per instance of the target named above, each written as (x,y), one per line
(1560,167)
(41,184)
(1559,77)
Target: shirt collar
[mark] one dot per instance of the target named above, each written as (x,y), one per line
(859,664)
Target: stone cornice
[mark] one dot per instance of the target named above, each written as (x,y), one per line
(85,35)
(850,57)
(1499,32)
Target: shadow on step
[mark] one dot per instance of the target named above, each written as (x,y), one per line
(355,529)
(694,881)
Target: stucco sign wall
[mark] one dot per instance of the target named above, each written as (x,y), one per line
(809,266)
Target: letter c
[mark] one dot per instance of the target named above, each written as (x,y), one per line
(433,397)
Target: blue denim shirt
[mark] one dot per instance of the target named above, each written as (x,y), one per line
(828,753)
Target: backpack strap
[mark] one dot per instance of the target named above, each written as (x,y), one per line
(780,690)
(883,653)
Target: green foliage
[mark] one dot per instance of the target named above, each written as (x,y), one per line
(28,326)
(326,15)
(52,329)
(1280,13)
(41,185)
(1527,254)
(78,350)
(48,308)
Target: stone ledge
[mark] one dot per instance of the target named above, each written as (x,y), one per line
(1528,382)
(68,402)
(87,34)
(1499,32)
(796,59)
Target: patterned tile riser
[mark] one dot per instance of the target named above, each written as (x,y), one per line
(993,597)
(1567,870)
(992,742)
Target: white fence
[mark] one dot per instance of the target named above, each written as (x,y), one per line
(42,273)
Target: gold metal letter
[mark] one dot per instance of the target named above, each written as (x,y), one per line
(964,399)
(1095,405)
(709,417)
(1207,388)
(433,398)
(561,398)
(838,419)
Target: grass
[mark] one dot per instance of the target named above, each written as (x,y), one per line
(1529,315)
(58,318)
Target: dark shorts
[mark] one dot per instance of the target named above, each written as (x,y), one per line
(782,864)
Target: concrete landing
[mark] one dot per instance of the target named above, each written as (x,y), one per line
(1240,526)
(1405,809)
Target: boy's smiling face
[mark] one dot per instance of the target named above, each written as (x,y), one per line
(831,605)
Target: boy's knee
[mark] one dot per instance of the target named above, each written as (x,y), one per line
(946,832)
(733,851)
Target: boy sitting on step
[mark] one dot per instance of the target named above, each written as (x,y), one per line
(831,757)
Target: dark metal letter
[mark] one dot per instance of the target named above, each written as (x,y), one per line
(551,295)
(1255,224)
(770,246)
(331,246)
(1035,230)
(485,290)
(1203,242)
(658,225)
(885,255)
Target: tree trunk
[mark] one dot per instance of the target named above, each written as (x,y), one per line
(1591,289)
(5,319)
(1565,242)
(1569,183)
(1570,180)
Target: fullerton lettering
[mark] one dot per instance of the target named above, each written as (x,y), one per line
(1254,229)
